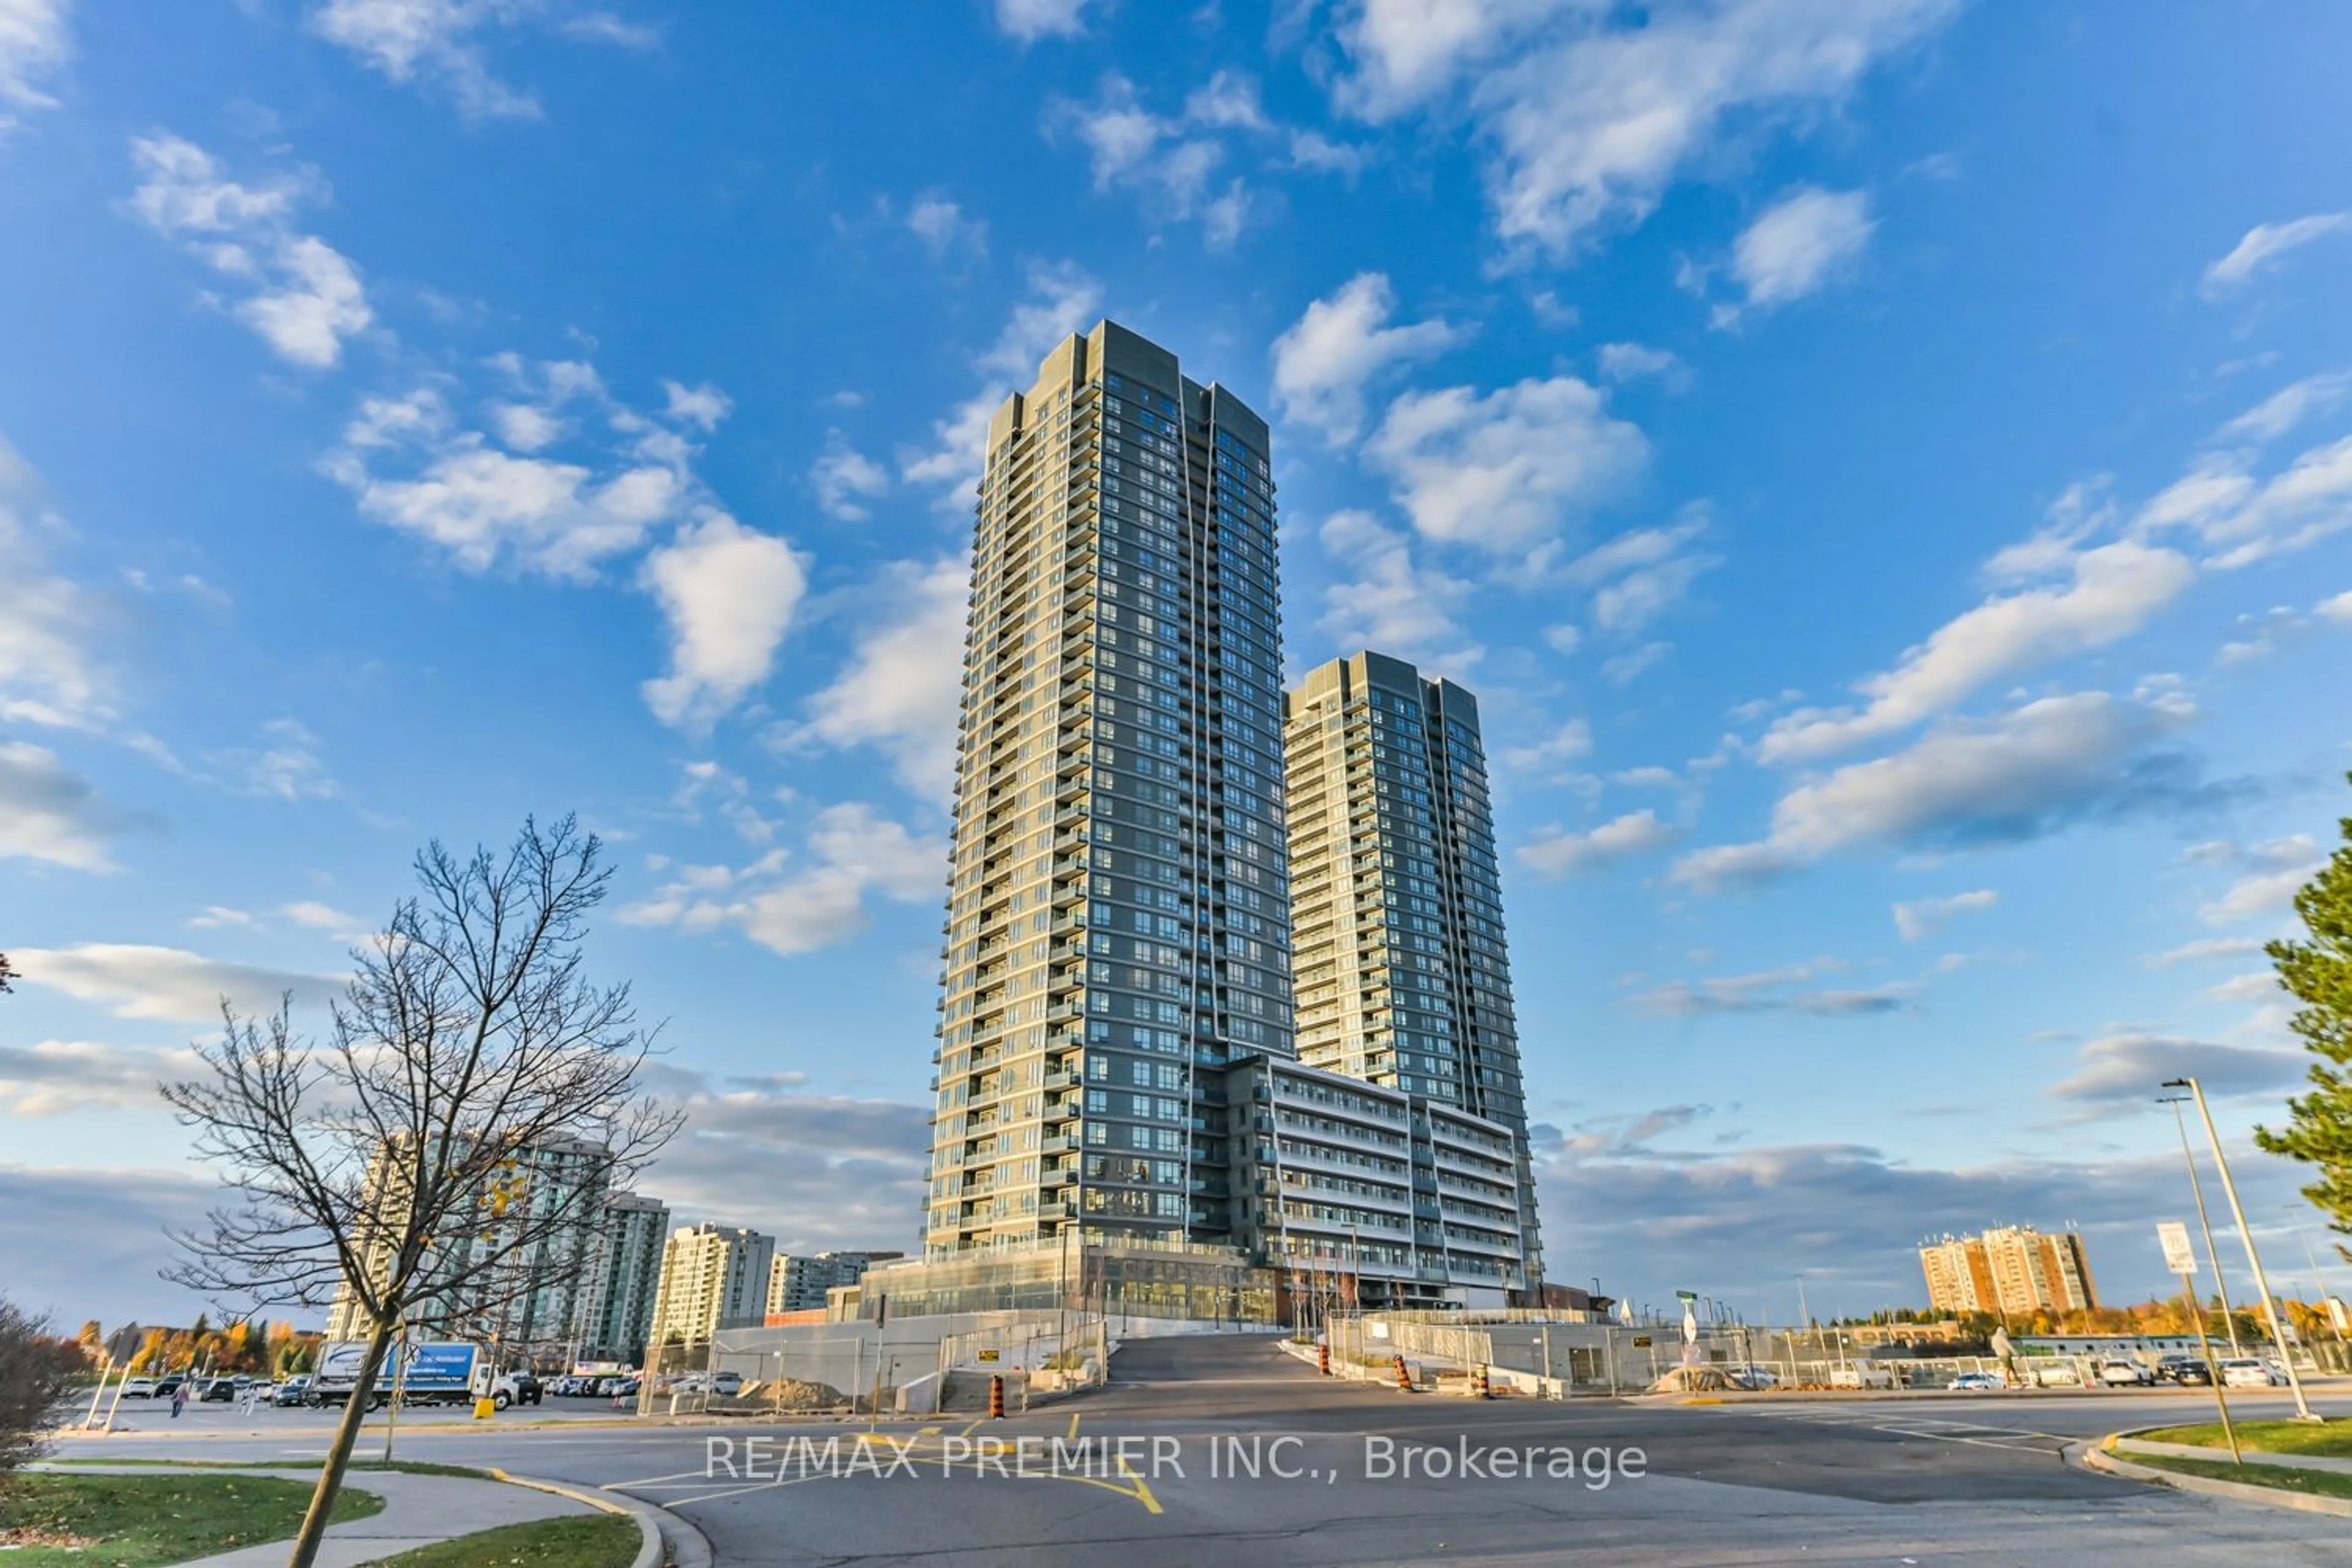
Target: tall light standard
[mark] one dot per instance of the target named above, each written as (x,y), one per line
(2197,1188)
(2246,1234)
(2318,1280)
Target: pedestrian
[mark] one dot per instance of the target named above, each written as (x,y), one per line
(179,1398)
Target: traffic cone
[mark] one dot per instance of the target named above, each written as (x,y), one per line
(1404,1378)
(996,1399)
(1479,1388)
(1323,1359)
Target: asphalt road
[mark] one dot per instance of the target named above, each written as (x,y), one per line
(1223,1450)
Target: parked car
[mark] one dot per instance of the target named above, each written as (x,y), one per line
(291,1390)
(2246,1371)
(138,1388)
(2119,1370)
(2056,1371)
(727,1384)
(2178,1368)
(219,1391)
(1978,1382)
(168,1384)
(624,1387)
(515,1388)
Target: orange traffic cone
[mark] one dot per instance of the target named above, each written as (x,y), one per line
(996,1399)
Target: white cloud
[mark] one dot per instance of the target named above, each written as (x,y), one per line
(2021,776)
(902,687)
(439,42)
(166,982)
(285,765)
(2207,947)
(1785,990)
(1925,917)
(1557,852)
(2127,1070)
(1326,361)
(1173,160)
(2250,519)
(47,623)
(845,478)
(1029,20)
(1313,150)
(1807,240)
(1571,743)
(2283,410)
(1590,119)
(944,227)
(705,407)
(320,916)
(852,850)
(2265,243)
(34,43)
(1563,638)
(51,1078)
(1506,470)
(48,813)
(2271,874)
(1643,573)
(1631,362)
(729,593)
(2338,608)
(302,296)
(1629,667)
(1061,299)
(1387,600)
(2259,985)
(409,463)
(2115,589)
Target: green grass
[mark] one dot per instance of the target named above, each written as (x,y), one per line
(2331,1440)
(579,1540)
(141,1521)
(2311,1483)
(406,1467)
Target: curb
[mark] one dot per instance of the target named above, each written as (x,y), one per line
(649,1531)
(2091,1454)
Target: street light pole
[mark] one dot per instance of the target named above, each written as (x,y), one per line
(2246,1234)
(2318,1280)
(2197,1188)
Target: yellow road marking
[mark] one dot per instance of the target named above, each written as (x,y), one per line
(1142,1493)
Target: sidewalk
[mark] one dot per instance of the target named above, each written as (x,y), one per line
(418,1511)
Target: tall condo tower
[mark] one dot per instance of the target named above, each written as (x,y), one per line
(1116,921)
(1402,974)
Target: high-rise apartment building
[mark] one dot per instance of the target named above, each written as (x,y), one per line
(799,1283)
(712,1278)
(533,1301)
(617,1314)
(2011,1269)
(1116,925)
(1400,971)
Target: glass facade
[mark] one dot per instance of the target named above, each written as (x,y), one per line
(1118,911)
(1402,972)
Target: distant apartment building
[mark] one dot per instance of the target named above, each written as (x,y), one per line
(2011,1269)
(712,1278)
(1371,1195)
(618,1306)
(533,1302)
(801,1283)
(1400,971)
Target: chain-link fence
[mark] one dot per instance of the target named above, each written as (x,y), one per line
(862,1368)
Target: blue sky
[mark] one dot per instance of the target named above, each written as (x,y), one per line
(1883,466)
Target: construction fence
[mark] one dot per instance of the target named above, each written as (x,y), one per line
(909,1366)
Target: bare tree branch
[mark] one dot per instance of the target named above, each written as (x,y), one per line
(440,1157)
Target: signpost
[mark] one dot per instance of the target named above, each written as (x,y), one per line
(2181,1259)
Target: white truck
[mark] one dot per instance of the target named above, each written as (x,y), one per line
(425,1374)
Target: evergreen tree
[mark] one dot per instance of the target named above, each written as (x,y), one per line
(2318,975)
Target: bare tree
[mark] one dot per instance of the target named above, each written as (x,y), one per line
(34,1370)
(398,1161)
(7,975)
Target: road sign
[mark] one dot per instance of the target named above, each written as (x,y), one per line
(1640,1341)
(988,1355)
(2178,1256)
(125,1342)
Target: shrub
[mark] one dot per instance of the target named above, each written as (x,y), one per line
(35,1372)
